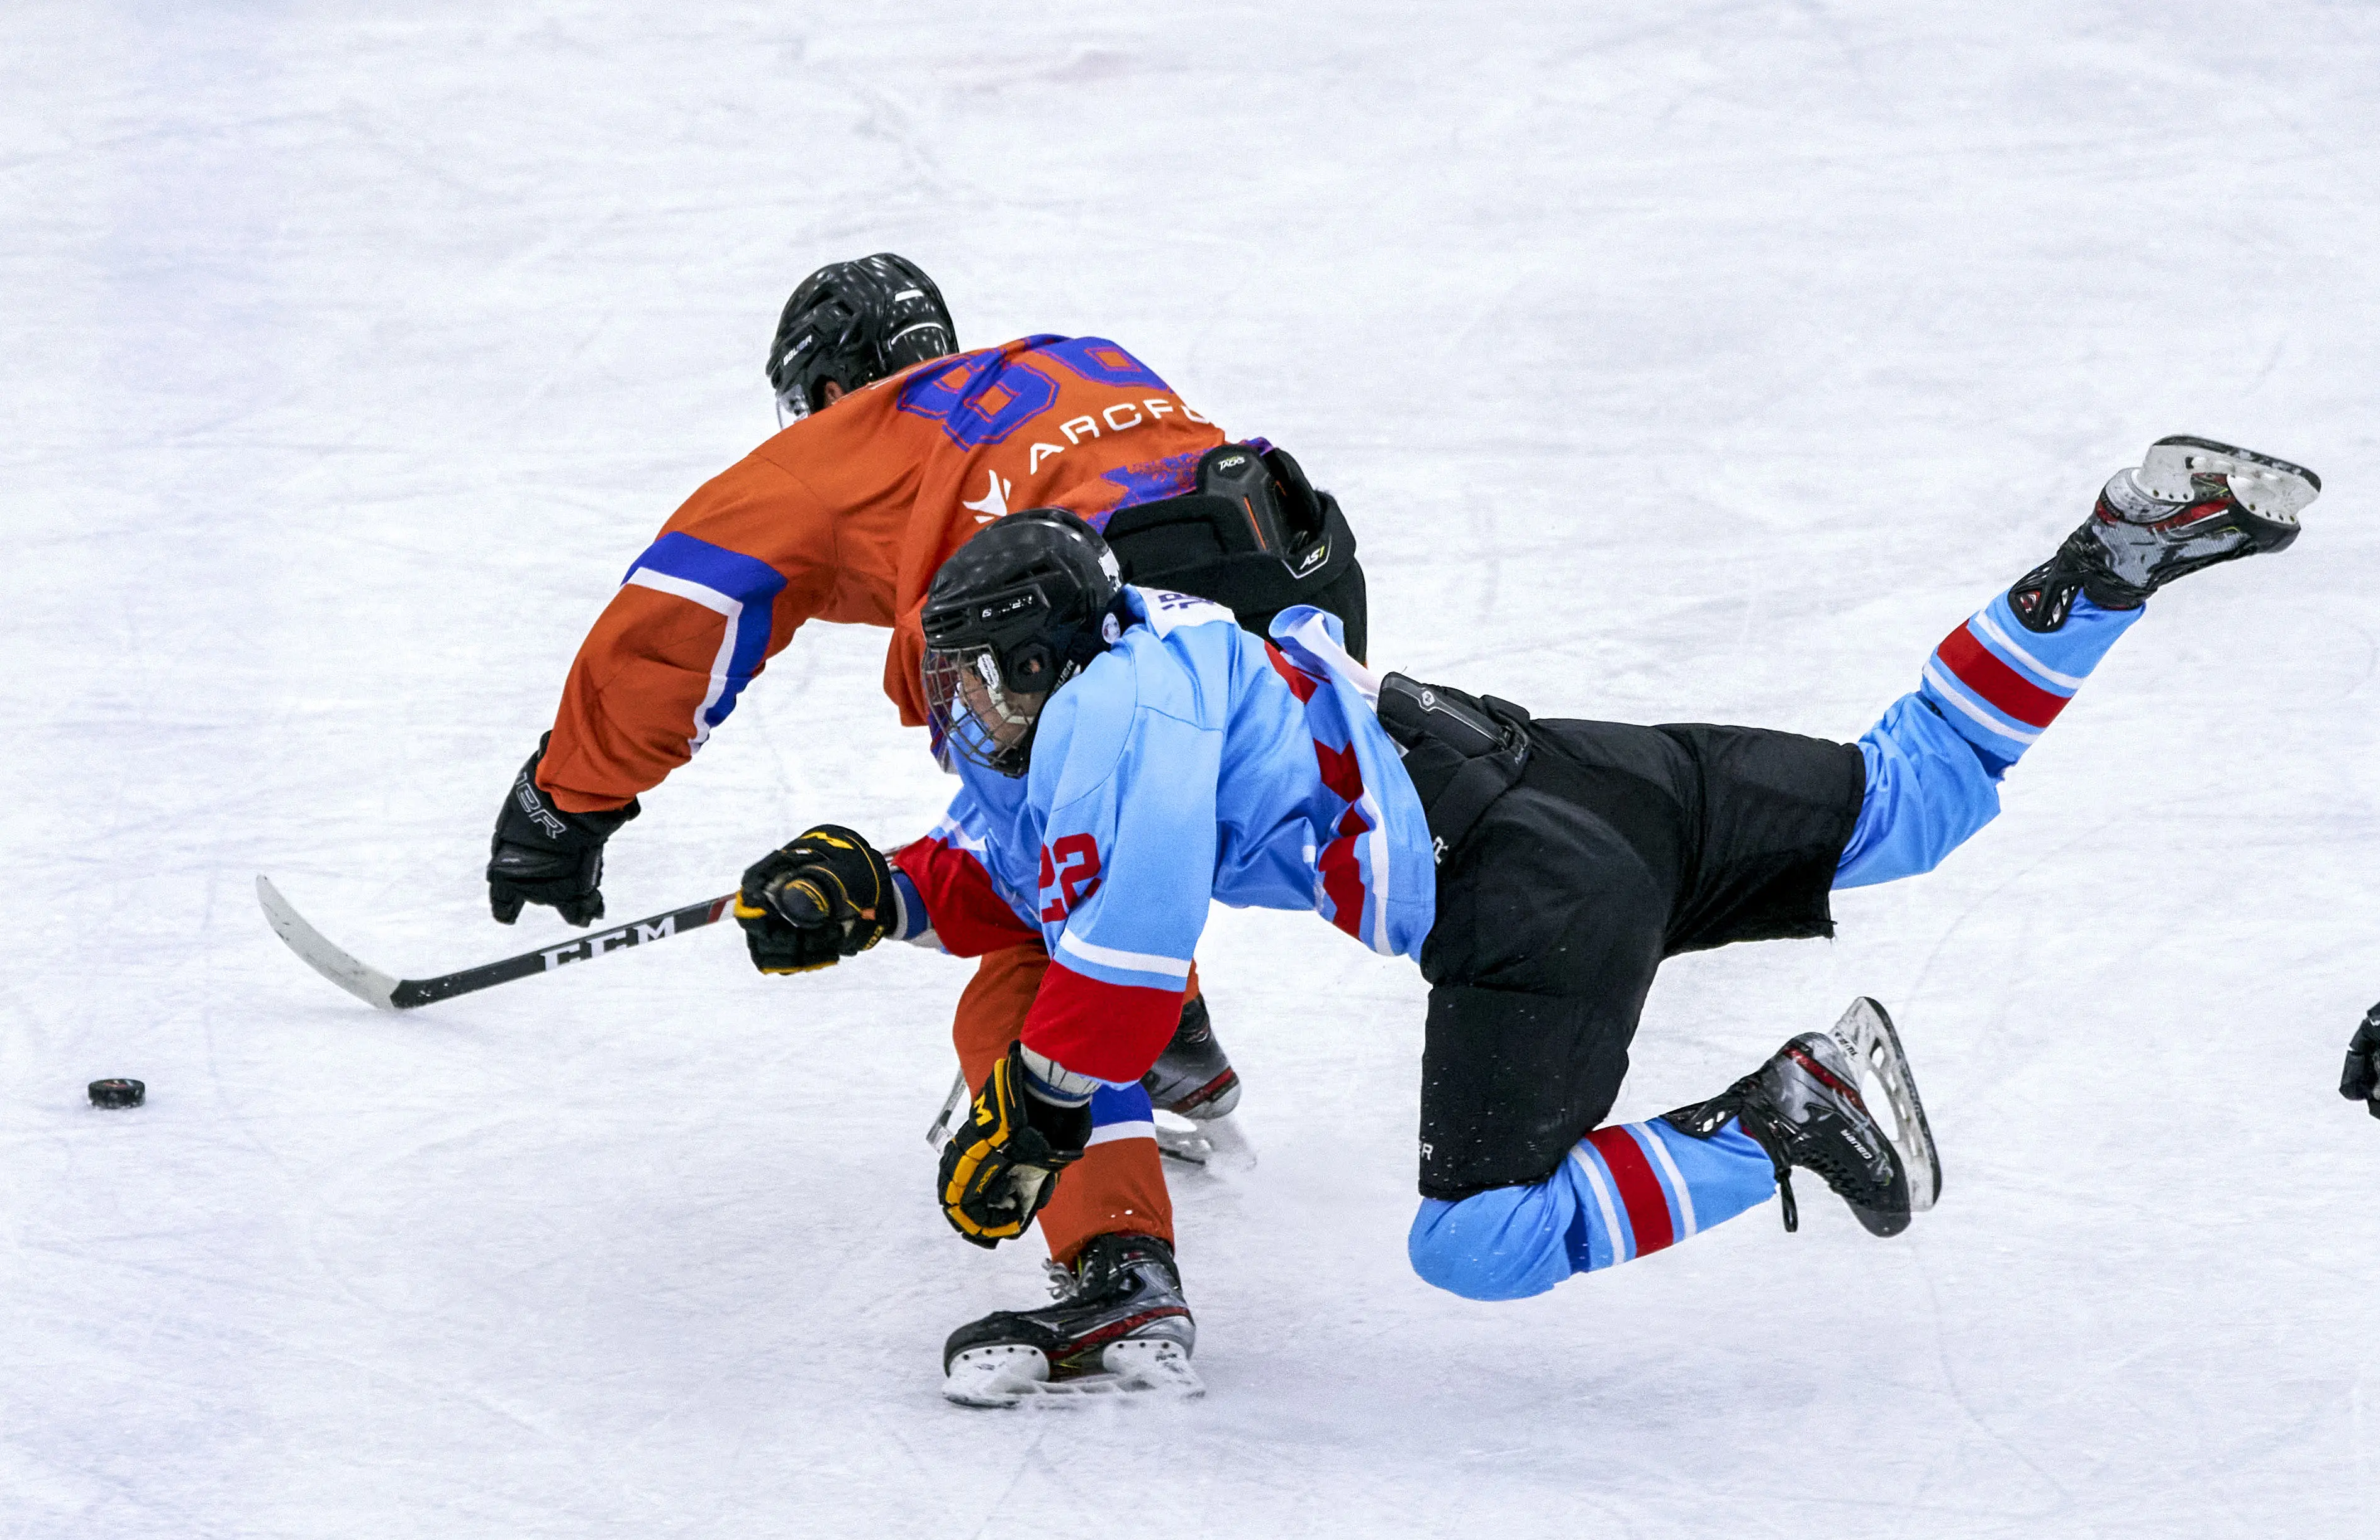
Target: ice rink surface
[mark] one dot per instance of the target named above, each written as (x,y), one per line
(1674,362)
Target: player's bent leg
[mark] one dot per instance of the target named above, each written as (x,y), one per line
(1624,1192)
(1999,686)
(1998,681)
(1630,1191)
(1118,1187)
(1935,760)
(992,1008)
(1119,1322)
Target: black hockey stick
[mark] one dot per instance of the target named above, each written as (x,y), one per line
(379,990)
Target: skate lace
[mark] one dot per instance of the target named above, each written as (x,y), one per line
(1063,1284)
(1843,1176)
(1785,1203)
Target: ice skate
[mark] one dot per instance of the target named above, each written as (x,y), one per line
(1119,1327)
(2189,503)
(1804,1108)
(1216,1145)
(1194,1078)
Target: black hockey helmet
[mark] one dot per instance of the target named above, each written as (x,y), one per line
(1020,609)
(855,323)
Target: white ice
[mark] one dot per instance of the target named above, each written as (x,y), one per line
(1675,360)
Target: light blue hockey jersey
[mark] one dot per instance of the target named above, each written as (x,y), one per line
(1190,763)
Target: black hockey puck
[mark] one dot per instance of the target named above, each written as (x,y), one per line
(118,1093)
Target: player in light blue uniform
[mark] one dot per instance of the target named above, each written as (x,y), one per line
(1189,762)
(1184,761)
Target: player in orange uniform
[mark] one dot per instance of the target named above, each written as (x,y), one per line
(900,449)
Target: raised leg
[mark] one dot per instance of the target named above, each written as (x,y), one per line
(1996,683)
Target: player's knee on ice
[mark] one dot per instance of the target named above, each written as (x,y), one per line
(1625,1191)
(1505,1244)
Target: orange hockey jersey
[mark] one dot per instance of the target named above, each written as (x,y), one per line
(846,516)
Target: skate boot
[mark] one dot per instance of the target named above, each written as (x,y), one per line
(2191,502)
(1194,1078)
(1804,1108)
(1119,1326)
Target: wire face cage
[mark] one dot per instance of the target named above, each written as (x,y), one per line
(976,713)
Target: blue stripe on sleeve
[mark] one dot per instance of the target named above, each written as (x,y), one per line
(745,585)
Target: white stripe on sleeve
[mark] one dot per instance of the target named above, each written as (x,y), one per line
(1957,696)
(1129,962)
(1652,1140)
(1992,629)
(712,599)
(1621,1251)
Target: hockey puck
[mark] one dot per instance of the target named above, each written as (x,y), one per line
(118,1093)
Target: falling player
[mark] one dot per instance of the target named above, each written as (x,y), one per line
(901,447)
(1128,755)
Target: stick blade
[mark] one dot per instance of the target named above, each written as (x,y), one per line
(358,979)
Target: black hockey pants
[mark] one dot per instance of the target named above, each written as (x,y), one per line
(1616,846)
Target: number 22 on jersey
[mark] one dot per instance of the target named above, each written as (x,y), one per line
(1071,865)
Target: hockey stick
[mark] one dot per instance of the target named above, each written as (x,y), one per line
(379,990)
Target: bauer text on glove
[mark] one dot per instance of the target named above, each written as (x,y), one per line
(541,855)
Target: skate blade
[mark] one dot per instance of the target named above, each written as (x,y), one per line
(2271,488)
(1867,1035)
(1217,1144)
(1010,1374)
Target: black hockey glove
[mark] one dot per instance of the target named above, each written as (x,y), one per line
(2361,1080)
(1002,1166)
(826,896)
(542,855)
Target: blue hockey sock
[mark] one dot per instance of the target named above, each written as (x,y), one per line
(1624,1192)
(1935,760)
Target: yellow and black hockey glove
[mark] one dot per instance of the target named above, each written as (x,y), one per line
(826,896)
(1002,1166)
